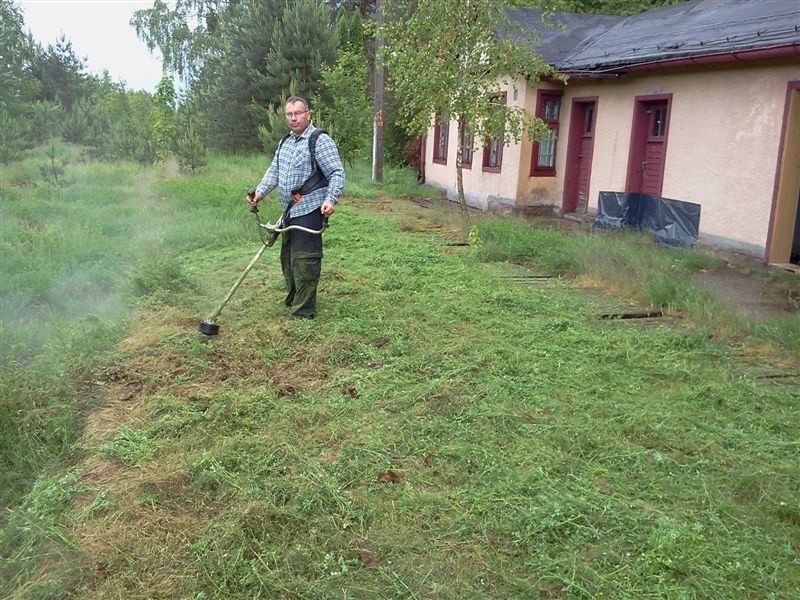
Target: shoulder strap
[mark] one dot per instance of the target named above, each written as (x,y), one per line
(312,147)
(283,139)
(317,178)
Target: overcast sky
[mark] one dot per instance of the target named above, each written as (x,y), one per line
(100,33)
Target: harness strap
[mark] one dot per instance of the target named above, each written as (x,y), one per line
(317,179)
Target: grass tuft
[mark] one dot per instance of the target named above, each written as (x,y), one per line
(163,280)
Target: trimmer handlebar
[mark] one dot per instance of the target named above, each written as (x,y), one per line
(282,224)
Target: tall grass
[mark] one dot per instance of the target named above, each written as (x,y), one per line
(395,183)
(630,265)
(438,431)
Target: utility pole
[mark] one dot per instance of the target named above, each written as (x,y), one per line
(377,102)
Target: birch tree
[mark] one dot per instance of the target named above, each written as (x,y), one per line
(449,60)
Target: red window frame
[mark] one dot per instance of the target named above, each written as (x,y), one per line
(545,101)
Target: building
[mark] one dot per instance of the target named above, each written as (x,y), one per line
(698,102)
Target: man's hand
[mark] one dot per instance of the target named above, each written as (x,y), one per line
(327,208)
(253,200)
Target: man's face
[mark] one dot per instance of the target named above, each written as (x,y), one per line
(297,117)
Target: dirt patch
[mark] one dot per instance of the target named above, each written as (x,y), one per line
(751,295)
(298,373)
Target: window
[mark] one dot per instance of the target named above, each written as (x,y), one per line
(658,122)
(588,120)
(493,150)
(493,155)
(466,148)
(440,134)
(548,109)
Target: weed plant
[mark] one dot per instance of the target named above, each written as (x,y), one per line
(446,428)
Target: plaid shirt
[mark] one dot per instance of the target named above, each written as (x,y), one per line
(291,166)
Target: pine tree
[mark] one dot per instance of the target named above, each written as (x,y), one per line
(61,73)
(304,41)
(18,86)
(232,91)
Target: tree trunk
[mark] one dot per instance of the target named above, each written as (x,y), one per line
(377,124)
(462,202)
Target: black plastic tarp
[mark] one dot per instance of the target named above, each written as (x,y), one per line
(673,222)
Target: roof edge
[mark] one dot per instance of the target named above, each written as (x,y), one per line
(732,56)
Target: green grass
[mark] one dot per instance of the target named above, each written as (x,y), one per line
(395,183)
(631,266)
(445,428)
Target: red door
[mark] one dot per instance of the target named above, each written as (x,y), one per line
(579,155)
(648,145)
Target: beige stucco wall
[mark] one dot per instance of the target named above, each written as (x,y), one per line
(482,189)
(735,121)
(722,147)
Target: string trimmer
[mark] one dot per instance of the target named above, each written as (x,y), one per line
(209,326)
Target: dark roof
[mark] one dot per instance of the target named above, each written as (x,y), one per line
(557,35)
(597,43)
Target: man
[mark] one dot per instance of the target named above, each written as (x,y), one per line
(301,252)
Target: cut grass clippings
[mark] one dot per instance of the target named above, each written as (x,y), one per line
(439,431)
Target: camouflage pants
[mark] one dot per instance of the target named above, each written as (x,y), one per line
(301,262)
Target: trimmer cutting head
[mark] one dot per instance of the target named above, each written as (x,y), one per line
(209,328)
